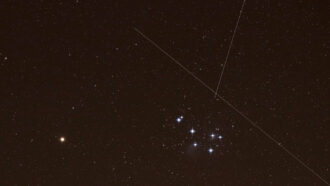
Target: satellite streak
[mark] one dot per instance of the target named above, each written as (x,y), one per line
(266,134)
(229,49)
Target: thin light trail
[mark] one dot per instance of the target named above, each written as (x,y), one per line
(233,107)
(229,49)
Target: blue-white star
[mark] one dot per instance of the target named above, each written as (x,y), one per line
(212,136)
(220,137)
(195,144)
(192,131)
(179,119)
(210,150)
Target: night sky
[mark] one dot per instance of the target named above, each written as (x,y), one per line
(87,100)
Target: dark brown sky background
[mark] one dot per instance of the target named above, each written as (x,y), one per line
(77,69)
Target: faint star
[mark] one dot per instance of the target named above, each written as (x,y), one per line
(220,137)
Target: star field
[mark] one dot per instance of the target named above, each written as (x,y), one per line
(86,99)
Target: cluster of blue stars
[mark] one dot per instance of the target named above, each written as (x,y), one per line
(193,131)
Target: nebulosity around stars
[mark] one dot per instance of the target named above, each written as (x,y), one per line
(164,93)
(198,139)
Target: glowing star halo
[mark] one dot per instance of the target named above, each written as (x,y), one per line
(62,139)
(192,131)
(179,119)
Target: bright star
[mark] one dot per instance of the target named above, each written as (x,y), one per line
(192,131)
(179,119)
(212,135)
(195,144)
(210,150)
(62,139)
(220,137)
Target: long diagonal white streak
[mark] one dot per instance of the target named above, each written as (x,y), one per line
(266,134)
(229,49)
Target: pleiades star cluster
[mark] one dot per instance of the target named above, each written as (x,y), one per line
(164,92)
(207,144)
